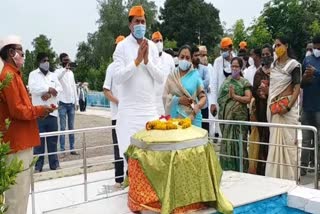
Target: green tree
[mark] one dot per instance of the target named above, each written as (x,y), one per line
(314,28)
(191,22)
(170,44)
(239,32)
(292,18)
(259,34)
(29,65)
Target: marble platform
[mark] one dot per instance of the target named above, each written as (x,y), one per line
(239,188)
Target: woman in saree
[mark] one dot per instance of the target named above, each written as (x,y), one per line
(282,108)
(234,95)
(184,94)
(260,91)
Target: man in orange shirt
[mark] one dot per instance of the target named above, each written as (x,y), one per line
(23,133)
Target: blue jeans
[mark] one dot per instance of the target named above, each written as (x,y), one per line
(309,119)
(49,124)
(66,110)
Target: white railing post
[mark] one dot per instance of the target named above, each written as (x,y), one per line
(33,199)
(85,172)
(241,150)
(316,160)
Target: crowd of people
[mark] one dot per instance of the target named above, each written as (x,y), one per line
(261,84)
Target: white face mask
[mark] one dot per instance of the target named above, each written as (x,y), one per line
(251,61)
(18,60)
(160,46)
(316,53)
(45,66)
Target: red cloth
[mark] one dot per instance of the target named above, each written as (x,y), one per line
(16,106)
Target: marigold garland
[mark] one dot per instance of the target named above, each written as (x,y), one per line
(168,124)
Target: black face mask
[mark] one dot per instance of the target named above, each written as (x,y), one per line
(226,74)
(44,71)
(267,60)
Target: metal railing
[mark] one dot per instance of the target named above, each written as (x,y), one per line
(273,125)
(85,148)
(85,165)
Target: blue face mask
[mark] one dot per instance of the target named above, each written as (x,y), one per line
(184,65)
(236,74)
(139,31)
(225,54)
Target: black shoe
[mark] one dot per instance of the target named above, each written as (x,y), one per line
(57,168)
(74,153)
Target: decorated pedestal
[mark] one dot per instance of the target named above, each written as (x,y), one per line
(174,171)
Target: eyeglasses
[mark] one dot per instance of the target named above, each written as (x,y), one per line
(157,40)
(45,60)
(20,49)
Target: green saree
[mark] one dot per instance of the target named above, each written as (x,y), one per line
(233,110)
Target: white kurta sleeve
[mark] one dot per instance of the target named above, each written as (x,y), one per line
(107,80)
(153,65)
(124,71)
(214,83)
(60,73)
(57,83)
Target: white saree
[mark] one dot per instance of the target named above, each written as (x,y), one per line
(280,79)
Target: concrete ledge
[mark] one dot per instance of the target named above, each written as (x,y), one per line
(305,199)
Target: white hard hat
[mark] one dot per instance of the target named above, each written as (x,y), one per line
(10,40)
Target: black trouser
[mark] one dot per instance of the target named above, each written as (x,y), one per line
(309,119)
(118,165)
(82,104)
(205,115)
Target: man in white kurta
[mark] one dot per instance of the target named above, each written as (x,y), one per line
(136,62)
(221,70)
(166,65)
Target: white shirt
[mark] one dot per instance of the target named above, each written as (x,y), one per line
(218,77)
(167,66)
(69,88)
(136,83)
(249,73)
(39,84)
(110,84)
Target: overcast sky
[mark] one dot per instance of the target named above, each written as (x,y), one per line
(67,22)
